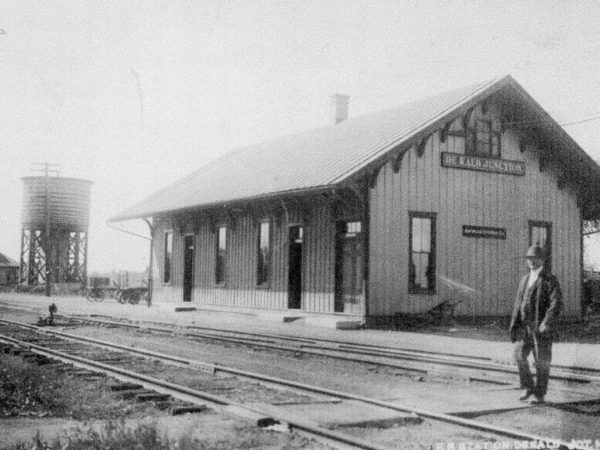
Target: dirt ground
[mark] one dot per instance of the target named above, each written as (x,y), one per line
(88,404)
(368,380)
(572,330)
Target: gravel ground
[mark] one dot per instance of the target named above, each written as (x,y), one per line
(368,380)
(94,405)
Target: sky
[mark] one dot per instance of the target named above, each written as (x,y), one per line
(134,95)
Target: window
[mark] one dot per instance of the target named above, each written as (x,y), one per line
(540,233)
(353,228)
(221,256)
(421,272)
(168,256)
(482,140)
(263,264)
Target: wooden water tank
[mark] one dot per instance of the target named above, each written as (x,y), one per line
(68,203)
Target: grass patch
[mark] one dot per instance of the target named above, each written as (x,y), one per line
(119,436)
(113,436)
(27,389)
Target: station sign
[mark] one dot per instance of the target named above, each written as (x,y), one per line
(484,232)
(494,165)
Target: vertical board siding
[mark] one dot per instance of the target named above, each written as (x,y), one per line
(240,290)
(483,273)
(166,292)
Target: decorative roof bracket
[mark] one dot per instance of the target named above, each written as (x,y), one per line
(398,161)
(467,118)
(179,223)
(562,180)
(485,106)
(231,218)
(373,177)
(444,131)
(357,192)
(196,224)
(421,146)
(543,162)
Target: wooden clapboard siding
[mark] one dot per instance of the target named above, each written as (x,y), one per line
(490,267)
(240,290)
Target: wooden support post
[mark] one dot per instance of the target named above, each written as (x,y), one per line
(47,240)
(366,230)
(151,262)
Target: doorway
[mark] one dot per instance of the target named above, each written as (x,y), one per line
(349,266)
(188,267)
(296,238)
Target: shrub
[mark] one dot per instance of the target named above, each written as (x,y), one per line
(26,387)
(114,436)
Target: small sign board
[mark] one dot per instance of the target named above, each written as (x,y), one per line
(484,232)
(494,165)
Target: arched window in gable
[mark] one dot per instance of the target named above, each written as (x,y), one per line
(483,138)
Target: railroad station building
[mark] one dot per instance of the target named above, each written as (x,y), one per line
(392,212)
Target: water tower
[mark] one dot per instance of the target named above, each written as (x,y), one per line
(55,219)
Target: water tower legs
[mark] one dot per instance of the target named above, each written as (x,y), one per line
(67,260)
(33,258)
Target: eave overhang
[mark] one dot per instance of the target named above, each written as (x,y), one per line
(578,166)
(238,202)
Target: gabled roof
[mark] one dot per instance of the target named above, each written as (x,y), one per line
(5,261)
(326,156)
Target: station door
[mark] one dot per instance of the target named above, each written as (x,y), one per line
(349,268)
(188,268)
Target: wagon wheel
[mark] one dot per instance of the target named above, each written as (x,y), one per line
(134,297)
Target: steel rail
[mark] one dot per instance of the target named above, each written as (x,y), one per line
(352,346)
(454,361)
(343,344)
(172,388)
(454,420)
(436,358)
(384,349)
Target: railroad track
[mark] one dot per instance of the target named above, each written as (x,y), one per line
(134,365)
(437,364)
(474,368)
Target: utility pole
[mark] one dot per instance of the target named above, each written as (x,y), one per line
(45,168)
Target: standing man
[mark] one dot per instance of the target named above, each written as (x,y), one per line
(532,326)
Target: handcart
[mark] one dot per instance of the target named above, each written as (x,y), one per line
(131,295)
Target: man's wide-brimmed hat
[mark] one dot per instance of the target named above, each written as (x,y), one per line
(535,251)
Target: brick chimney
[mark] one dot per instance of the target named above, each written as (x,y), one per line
(339,103)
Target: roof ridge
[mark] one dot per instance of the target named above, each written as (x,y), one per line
(7,261)
(319,157)
(481,87)
(213,163)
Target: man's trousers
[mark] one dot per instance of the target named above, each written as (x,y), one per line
(523,348)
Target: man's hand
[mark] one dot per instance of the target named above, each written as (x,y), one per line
(543,327)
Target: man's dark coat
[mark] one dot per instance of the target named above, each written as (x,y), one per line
(546,307)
